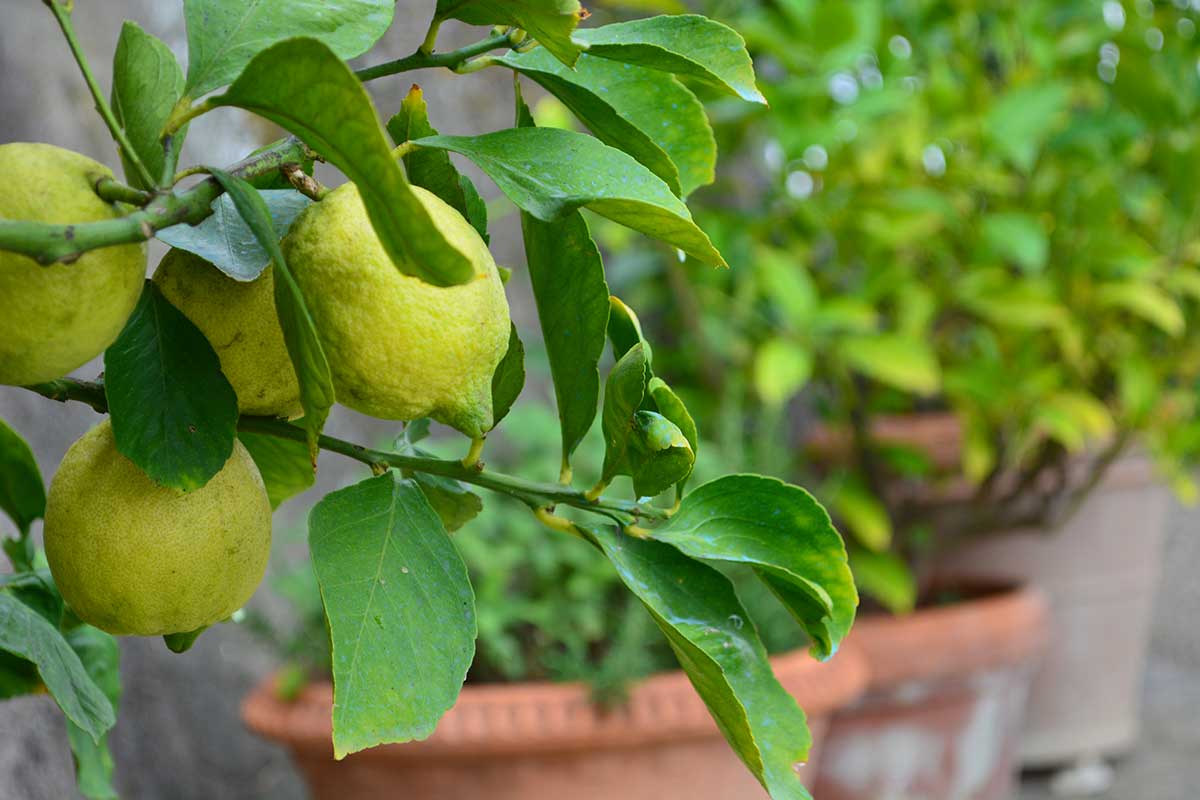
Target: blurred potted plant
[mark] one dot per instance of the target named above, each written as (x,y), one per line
(975,269)
(571,689)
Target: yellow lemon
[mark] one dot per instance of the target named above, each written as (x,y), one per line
(56,318)
(135,558)
(400,348)
(240,322)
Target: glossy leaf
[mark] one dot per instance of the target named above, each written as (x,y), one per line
(623,394)
(509,378)
(572,302)
(22,493)
(625,330)
(900,361)
(24,633)
(785,535)
(549,21)
(400,608)
(671,407)
(550,173)
(285,465)
(101,658)
(432,169)
(659,455)
(301,85)
(224,35)
(454,503)
(647,113)
(225,240)
(686,44)
(173,412)
(708,629)
(299,330)
(147,83)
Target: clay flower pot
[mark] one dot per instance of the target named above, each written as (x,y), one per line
(532,740)
(941,719)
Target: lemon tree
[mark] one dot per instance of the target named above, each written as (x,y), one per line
(283,296)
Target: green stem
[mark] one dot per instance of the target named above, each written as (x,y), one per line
(47,243)
(422,60)
(62,13)
(535,494)
(116,192)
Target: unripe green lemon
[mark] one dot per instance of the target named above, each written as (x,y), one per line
(240,322)
(400,348)
(56,318)
(135,558)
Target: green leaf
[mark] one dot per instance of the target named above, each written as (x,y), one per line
(285,466)
(173,412)
(24,633)
(1146,301)
(299,330)
(718,648)
(1023,118)
(623,394)
(224,35)
(432,169)
(147,83)
(400,608)
(302,86)
(862,513)
(226,241)
(549,21)
(671,407)
(454,503)
(509,378)
(1018,238)
(646,113)
(906,363)
(1074,419)
(686,44)
(781,368)
(885,577)
(572,302)
(659,455)
(625,330)
(782,532)
(550,173)
(22,493)
(93,761)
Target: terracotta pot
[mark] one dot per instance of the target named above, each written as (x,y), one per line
(535,740)
(942,716)
(1100,570)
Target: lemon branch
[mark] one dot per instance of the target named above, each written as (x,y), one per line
(47,243)
(451,59)
(535,494)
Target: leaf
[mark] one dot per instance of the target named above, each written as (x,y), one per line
(671,407)
(432,169)
(299,330)
(1022,119)
(225,240)
(686,44)
(454,503)
(906,363)
(509,378)
(173,412)
(300,85)
(781,368)
(550,173)
(706,626)
(1073,419)
(400,608)
(659,455)
(885,577)
(24,633)
(865,516)
(147,83)
(782,532)
(648,114)
(1018,238)
(22,493)
(625,330)
(572,302)
(224,35)
(549,21)
(285,465)
(1146,301)
(93,761)
(623,394)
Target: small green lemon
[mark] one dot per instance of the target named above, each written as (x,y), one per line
(135,558)
(400,348)
(240,322)
(56,318)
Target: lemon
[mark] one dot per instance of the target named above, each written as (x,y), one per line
(56,318)
(133,557)
(240,322)
(400,348)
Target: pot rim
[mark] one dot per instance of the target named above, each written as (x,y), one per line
(497,720)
